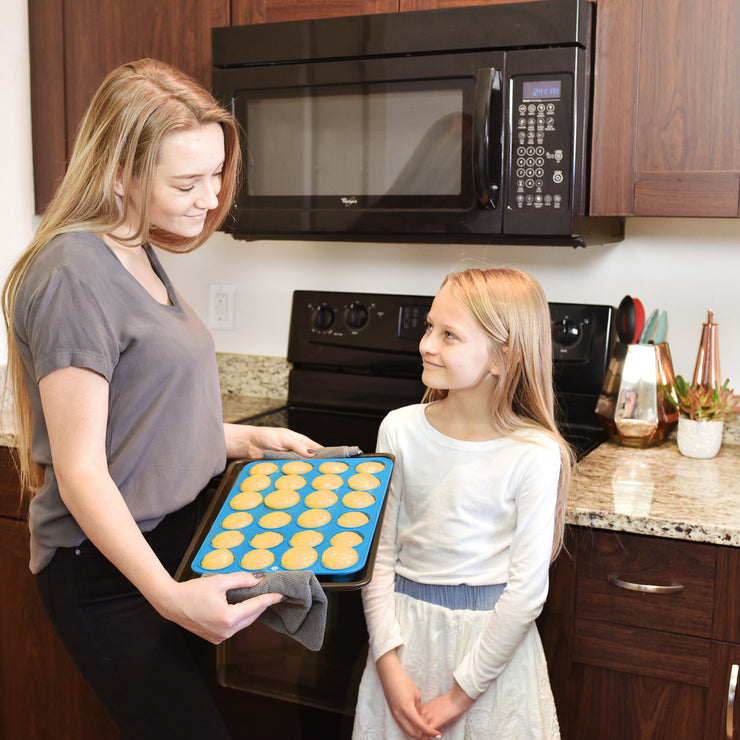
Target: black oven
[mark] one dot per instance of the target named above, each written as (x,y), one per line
(437,125)
(355,357)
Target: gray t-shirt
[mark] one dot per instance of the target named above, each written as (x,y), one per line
(79,306)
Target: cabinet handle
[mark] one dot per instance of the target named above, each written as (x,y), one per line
(644,587)
(730,720)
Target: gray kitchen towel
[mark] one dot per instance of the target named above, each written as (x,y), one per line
(301,615)
(341,451)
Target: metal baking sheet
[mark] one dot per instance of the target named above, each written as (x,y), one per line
(240,475)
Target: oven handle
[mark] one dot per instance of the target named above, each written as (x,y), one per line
(487,132)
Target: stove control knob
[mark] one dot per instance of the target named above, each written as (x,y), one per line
(323,318)
(566,333)
(356,316)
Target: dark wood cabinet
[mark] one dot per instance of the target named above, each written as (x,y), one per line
(724,692)
(654,649)
(43,695)
(555,626)
(665,137)
(73,45)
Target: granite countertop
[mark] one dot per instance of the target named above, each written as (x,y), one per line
(250,385)
(657,491)
(239,408)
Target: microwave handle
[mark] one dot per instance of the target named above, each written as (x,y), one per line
(486,133)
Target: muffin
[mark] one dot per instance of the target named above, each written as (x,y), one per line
(257,559)
(358,500)
(237,520)
(217,559)
(313,518)
(338,557)
(298,558)
(297,467)
(371,466)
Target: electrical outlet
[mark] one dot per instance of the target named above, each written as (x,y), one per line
(221,307)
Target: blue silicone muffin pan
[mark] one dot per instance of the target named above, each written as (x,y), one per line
(238,477)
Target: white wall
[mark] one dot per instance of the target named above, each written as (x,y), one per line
(16,184)
(684,266)
(664,262)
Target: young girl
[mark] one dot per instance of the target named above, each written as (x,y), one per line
(116,388)
(475,514)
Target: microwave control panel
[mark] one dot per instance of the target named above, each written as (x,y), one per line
(545,140)
(540,143)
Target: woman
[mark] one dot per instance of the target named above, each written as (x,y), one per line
(118,404)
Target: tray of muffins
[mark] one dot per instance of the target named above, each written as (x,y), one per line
(322,515)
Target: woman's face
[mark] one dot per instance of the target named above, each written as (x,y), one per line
(186,180)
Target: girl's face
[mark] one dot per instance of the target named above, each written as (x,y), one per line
(455,350)
(186,181)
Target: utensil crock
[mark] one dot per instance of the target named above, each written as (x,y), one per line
(632,406)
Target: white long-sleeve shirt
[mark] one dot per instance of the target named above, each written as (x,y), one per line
(458,512)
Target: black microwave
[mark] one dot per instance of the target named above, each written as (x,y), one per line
(454,125)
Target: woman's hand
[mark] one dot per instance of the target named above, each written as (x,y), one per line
(403,697)
(249,441)
(442,710)
(200,605)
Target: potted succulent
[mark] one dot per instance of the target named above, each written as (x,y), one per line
(701,413)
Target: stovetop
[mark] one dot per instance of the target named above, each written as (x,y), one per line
(355,357)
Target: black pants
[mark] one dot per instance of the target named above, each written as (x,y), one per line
(142,667)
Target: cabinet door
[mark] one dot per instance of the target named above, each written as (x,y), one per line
(73,45)
(271,11)
(723,716)
(637,683)
(642,653)
(555,626)
(615,107)
(726,625)
(688,138)
(666,140)
(11,505)
(43,695)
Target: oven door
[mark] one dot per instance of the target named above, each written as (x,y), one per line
(262,661)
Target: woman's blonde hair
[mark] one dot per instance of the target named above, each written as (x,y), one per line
(511,307)
(136,107)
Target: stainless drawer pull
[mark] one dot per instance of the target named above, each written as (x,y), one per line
(730,720)
(644,587)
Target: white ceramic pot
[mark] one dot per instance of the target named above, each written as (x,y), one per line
(699,438)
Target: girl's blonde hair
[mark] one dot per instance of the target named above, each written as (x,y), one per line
(511,307)
(136,106)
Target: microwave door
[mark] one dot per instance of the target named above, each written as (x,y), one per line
(382,147)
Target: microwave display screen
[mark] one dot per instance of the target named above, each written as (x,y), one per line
(541,90)
(376,139)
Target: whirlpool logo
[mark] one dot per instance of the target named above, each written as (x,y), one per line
(347,202)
